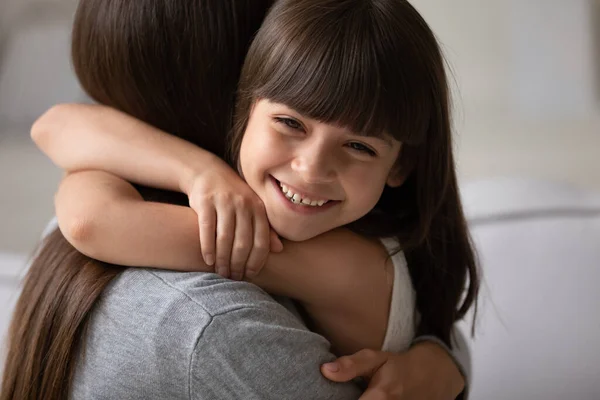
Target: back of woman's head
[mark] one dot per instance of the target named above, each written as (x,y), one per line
(171,63)
(375,67)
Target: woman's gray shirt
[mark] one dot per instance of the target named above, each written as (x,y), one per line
(158,334)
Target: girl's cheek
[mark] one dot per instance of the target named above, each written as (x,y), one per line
(273,141)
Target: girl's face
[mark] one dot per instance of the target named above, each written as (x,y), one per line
(312,176)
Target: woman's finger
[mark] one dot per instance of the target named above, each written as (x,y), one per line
(207,224)
(261,244)
(364,363)
(381,394)
(242,243)
(225,236)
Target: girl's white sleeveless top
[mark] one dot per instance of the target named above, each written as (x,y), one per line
(401,322)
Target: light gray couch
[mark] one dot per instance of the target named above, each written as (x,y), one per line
(539,319)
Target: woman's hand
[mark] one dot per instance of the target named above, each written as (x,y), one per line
(235,234)
(425,371)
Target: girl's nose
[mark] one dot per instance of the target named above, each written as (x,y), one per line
(315,164)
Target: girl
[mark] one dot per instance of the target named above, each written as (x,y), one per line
(310,132)
(365,141)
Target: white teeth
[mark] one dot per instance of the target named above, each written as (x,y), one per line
(297,199)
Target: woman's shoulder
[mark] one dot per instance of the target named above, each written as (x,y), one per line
(198,293)
(151,323)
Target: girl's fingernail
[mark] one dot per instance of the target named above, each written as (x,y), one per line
(332,367)
(209,259)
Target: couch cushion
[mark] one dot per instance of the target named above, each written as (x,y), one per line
(491,200)
(538,320)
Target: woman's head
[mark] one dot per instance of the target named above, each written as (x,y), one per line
(172,63)
(360,79)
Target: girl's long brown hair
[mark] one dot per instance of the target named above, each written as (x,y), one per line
(375,67)
(172,63)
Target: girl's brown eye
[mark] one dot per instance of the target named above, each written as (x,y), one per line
(361,148)
(289,122)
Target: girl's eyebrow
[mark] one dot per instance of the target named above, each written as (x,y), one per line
(383,138)
(387,141)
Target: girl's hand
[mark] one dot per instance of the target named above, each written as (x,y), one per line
(235,234)
(425,371)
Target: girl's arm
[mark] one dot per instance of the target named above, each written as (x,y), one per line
(343,280)
(91,137)
(94,137)
(105,218)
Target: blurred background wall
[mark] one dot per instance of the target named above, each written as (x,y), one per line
(527,90)
(35,72)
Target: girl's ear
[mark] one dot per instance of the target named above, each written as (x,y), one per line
(404,166)
(398,173)
(396,177)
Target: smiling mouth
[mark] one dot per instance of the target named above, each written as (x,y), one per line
(299,199)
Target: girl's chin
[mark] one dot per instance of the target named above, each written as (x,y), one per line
(295,235)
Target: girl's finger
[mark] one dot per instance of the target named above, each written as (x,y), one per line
(276,243)
(242,243)
(207,224)
(225,235)
(261,244)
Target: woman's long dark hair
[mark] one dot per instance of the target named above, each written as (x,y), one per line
(375,66)
(172,63)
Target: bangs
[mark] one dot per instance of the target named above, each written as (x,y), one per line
(348,74)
